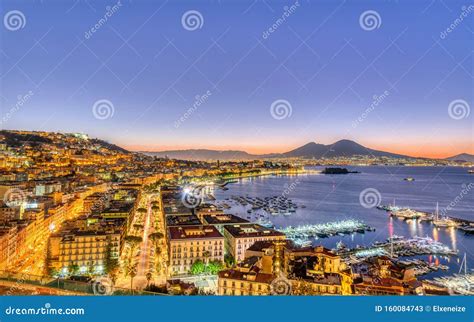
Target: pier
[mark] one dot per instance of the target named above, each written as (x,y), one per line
(399,247)
(342,227)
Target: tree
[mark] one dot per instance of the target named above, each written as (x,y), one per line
(157,236)
(132,243)
(91,269)
(214,267)
(148,276)
(111,264)
(229,260)
(131,270)
(206,254)
(198,267)
(73,268)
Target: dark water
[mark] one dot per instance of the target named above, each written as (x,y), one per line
(334,197)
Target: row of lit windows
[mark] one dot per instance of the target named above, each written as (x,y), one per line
(191,255)
(178,249)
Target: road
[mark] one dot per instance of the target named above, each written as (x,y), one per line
(140,280)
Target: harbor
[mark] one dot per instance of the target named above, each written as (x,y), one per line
(343,227)
(405,213)
(398,246)
(328,199)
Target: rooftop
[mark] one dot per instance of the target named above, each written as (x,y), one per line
(252,230)
(193,232)
(182,220)
(219,219)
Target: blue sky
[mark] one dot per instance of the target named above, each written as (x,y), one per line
(320,59)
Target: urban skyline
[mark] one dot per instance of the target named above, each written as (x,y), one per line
(237,148)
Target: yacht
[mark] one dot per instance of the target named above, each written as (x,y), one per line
(443,221)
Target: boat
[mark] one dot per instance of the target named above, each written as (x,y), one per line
(468,229)
(443,221)
(471,171)
(407,214)
(409,179)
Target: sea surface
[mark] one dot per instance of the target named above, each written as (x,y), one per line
(335,197)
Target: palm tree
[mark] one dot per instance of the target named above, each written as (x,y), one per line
(206,254)
(133,242)
(131,270)
(148,278)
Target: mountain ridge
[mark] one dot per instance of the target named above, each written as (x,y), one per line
(310,150)
(465,157)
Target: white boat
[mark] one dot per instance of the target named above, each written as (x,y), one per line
(443,221)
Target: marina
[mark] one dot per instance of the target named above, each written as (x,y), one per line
(274,205)
(318,203)
(465,225)
(343,227)
(461,283)
(397,246)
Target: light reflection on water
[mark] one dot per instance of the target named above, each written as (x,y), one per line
(336,197)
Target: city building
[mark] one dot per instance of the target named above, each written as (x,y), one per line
(238,238)
(187,244)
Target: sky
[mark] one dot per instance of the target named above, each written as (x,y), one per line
(259,76)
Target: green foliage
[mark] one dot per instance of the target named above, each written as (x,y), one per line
(229,260)
(111,264)
(73,269)
(198,267)
(213,267)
